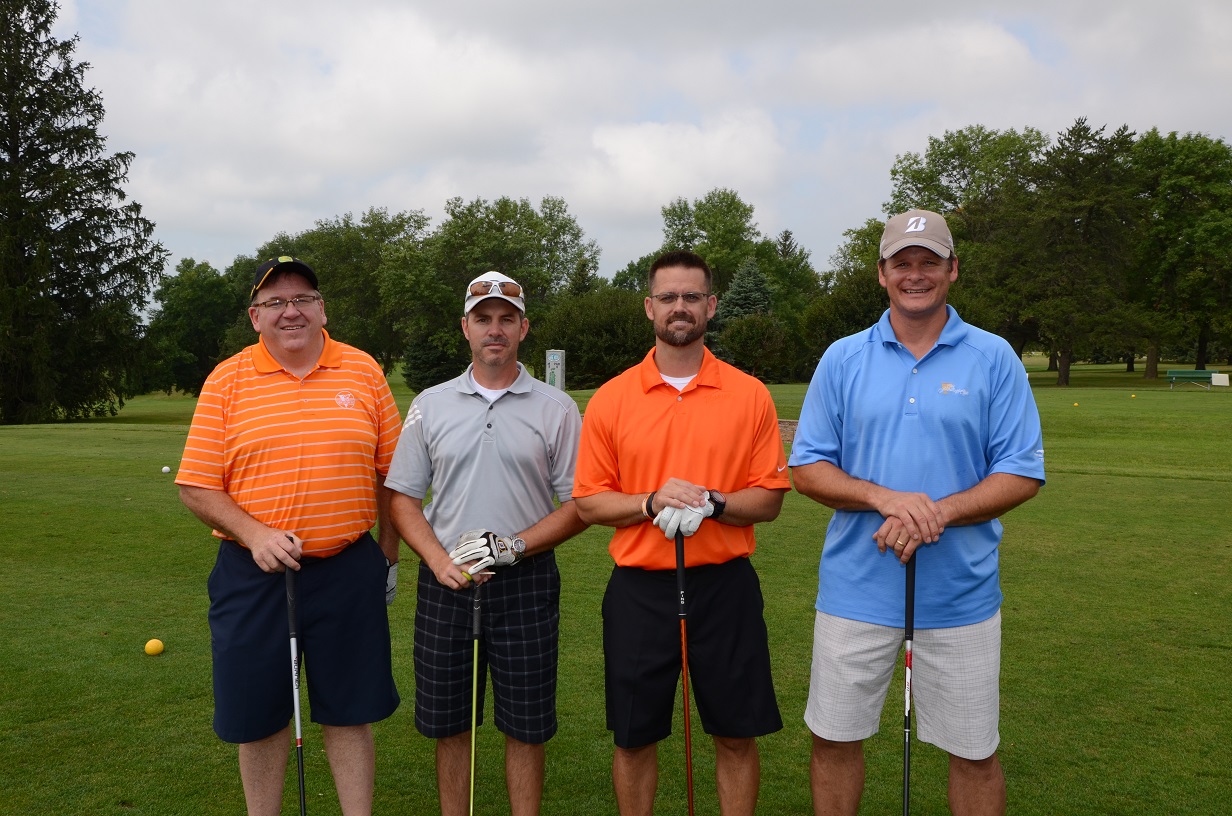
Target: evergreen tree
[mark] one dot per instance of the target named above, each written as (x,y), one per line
(77,264)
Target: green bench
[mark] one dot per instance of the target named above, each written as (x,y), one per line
(1202,379)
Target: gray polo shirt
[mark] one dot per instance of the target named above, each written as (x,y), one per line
(490,465)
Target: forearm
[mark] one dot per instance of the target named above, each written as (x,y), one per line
(555,528)
(217,509)
(751,506)
(387,532)
(992,497)
(827,484)
(409,522)
(612,509)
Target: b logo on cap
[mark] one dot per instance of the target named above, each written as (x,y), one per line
(916,223)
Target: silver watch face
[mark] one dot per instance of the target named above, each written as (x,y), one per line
(519,546)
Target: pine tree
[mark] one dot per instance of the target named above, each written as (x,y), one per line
(77,264)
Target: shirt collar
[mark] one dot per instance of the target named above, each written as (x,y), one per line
(952,333)
(331,356)
(522,385)
(709,375)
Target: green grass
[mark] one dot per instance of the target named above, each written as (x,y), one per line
(1116,695)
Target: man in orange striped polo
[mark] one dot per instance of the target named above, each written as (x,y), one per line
(286,461)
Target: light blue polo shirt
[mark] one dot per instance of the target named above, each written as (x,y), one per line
(489,465)
(937,425)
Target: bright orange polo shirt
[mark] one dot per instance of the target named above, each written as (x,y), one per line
(298,455)
(721,432)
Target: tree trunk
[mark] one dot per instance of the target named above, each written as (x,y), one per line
(1052,361)
(1204,341)
(1064,358)
(1152,361)
(1129,363)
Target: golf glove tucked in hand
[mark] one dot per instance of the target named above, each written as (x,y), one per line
(473,545)
(391,581)
(685,519)
(487,548)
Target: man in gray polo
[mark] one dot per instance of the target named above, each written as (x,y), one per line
(495,447)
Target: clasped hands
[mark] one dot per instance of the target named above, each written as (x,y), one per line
(911,519)
(687,519)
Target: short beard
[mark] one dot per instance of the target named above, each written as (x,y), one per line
(680,339)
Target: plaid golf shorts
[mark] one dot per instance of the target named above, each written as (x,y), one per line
(519,645)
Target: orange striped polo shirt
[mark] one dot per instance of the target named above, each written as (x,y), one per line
(297,455)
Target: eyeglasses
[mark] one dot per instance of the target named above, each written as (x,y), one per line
(507,288)
(300,302)
(690,298)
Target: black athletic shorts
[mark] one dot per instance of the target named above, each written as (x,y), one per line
(519,642)
(729,656)
(343,640)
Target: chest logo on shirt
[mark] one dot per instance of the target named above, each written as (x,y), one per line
(950,388)
(345,399)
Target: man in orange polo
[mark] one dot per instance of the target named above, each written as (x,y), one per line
(285,460)
(683,441)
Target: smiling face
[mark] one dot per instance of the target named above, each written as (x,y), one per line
(494,328)
(917,281)
(293,335)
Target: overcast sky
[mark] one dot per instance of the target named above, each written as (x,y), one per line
(251,118)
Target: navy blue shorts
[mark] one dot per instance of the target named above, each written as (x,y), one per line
(343,641)
(518,642)
(729,653)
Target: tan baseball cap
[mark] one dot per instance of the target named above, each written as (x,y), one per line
(917,228)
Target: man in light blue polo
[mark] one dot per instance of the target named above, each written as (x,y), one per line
(920,432)
(496,448)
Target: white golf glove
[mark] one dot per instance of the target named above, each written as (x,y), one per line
(685,519)
(391,581)
(474,546)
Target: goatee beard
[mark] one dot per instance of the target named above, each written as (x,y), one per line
(682,338)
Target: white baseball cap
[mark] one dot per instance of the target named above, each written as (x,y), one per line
(490,285)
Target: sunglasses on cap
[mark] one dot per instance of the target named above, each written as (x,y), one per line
(506,288)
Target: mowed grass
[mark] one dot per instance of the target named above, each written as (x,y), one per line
(1116,697)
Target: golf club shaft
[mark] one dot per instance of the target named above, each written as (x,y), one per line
(475,630)
(293,626)
(908,637)
(684,667)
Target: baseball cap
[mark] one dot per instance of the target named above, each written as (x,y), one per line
(917,228)
(281,265)
(490,285)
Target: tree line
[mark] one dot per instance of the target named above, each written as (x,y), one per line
(1090,246)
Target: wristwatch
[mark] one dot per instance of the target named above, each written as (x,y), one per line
(519,549)
(720,503)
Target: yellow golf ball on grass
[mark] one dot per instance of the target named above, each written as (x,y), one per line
(154,647)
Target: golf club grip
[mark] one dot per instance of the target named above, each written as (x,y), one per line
(475,624)
(293,601)
(909,604)
(680,571)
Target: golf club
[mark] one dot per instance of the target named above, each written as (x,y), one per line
(684,667)
(292,617)
(908,636)
(475,694)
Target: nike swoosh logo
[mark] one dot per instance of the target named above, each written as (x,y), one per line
(783,468)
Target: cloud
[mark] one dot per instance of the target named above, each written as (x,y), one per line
(249,119)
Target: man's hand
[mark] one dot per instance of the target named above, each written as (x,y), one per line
(276,550)
(391,581)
